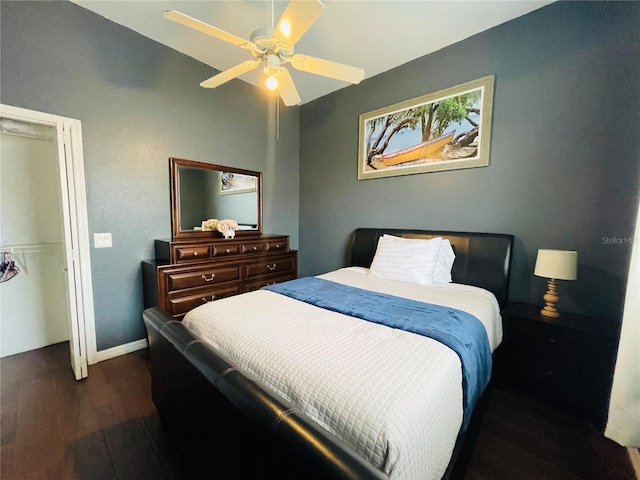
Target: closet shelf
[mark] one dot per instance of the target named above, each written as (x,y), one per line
(31,247)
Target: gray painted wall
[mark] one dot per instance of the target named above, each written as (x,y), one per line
(564,153)
(139,103)
(565,150)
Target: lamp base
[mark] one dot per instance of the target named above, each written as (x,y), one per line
(550,311)
(551,297)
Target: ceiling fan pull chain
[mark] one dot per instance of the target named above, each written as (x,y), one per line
(278,115)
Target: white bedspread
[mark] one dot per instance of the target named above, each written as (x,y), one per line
(394,396)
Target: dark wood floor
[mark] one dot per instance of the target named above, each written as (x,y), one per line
(106,427)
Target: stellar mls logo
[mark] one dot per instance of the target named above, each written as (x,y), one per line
(617,240)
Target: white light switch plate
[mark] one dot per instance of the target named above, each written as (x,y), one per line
(102,240)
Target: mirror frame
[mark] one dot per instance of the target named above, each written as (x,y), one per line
(176,232)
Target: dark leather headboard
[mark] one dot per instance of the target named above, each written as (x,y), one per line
(482,259)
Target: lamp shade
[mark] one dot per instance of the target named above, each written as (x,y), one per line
(557,264)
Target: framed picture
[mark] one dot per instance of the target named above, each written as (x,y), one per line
(444,130)
(231,183)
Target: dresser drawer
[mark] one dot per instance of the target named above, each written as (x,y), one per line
(181,304)
(211,275)
(279,245)
(254,247)
(270,266)
(191,252)
(222,250)
(263,282)
(534,352)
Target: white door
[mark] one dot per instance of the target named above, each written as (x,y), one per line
(46,231)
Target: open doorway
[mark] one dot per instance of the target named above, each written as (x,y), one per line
(43,226)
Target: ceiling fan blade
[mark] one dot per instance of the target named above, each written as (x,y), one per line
(230,74)
(287,89)
(203,27)
(296,20)
(327,68)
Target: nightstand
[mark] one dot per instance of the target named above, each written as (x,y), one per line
(570,359)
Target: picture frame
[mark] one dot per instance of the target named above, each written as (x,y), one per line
(233,183)
(448,129)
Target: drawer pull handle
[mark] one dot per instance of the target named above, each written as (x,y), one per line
(255,249)
(271,267)
(205,300)
(552,340)
(277,246)
(227,251)
(195,254)
(204,277)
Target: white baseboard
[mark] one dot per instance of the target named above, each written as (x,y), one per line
(113,352)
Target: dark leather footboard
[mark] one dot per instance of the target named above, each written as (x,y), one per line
(250,433)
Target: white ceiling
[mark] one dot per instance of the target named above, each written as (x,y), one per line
(372,34)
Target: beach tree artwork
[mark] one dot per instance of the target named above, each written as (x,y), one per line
(445,130)
(232,183)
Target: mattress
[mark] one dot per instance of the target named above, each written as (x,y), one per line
(393,396)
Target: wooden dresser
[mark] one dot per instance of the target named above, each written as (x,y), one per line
(186,274)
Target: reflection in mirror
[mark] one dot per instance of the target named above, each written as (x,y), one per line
(218,202)
(201,191)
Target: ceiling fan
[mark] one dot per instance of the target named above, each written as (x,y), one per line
(273,47)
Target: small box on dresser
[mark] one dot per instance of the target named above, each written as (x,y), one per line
(569,359)
(186,274)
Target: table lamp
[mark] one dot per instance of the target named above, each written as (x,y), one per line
(555,265)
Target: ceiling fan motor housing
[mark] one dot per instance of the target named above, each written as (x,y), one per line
(269,43)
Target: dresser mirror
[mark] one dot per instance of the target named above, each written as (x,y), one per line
(202,191)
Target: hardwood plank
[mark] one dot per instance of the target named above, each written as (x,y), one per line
(35,440)
(548,443)
(86,454)
(130,447)
(8,421)
(516,462)
(87,457)
(7,461)
(484,467)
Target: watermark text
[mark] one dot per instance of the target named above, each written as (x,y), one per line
(617,240)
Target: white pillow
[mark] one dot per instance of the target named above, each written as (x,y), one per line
(406,260)
(446,257)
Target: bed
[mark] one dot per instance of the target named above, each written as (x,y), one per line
(336,396)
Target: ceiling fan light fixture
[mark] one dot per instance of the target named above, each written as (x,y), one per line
(271,82)
(271,70)
(271,64)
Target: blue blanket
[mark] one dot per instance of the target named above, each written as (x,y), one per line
(458,330)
